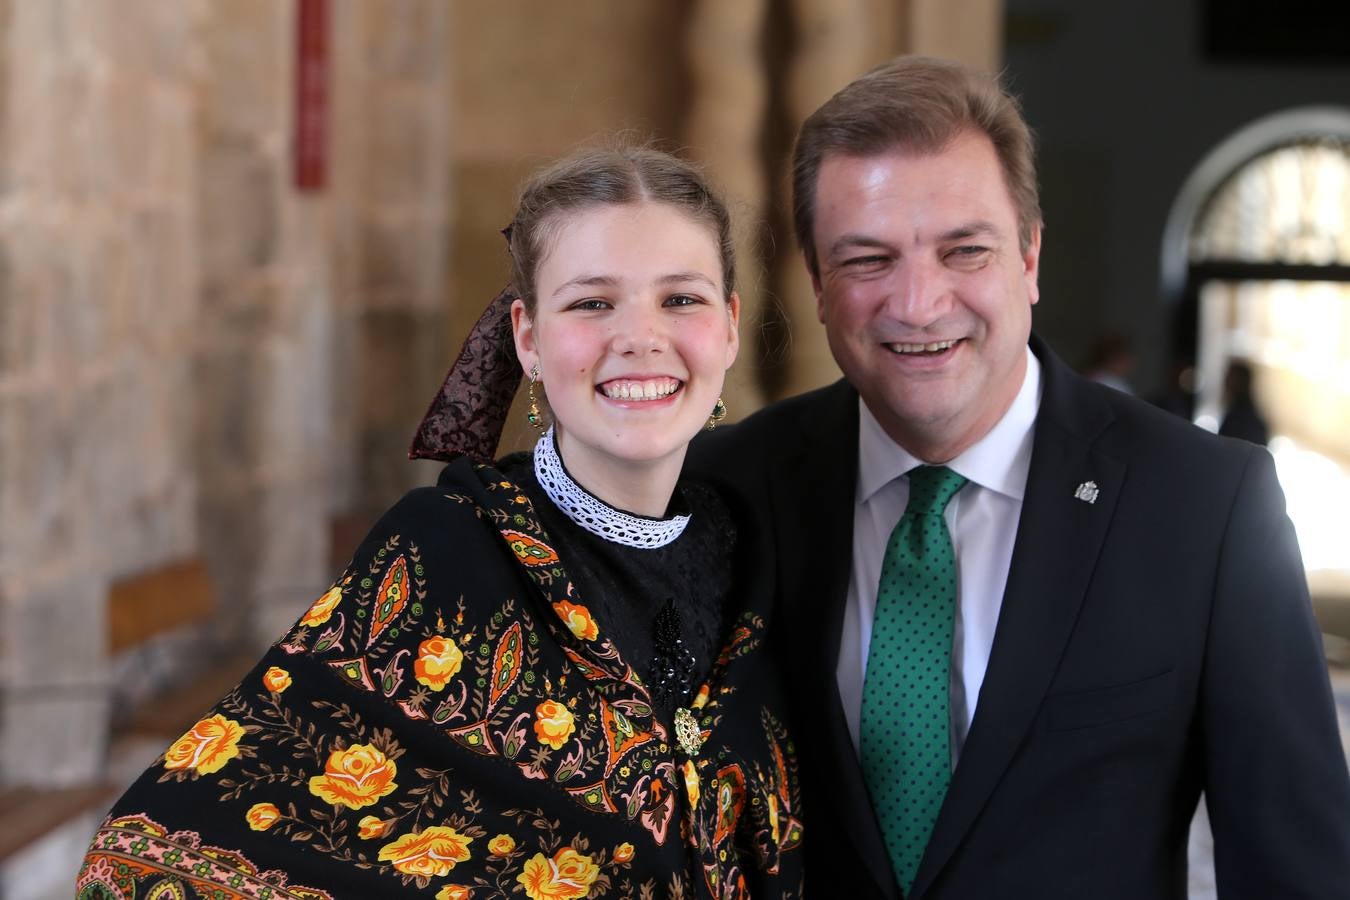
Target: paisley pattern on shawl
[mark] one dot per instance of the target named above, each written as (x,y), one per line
(449,720)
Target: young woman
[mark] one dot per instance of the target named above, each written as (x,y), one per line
(544,677)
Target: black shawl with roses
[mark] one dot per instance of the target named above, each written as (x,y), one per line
(450,721)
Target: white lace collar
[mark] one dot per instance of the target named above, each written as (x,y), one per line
(594,514)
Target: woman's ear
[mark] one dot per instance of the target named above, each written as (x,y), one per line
(733,327)
(522,330)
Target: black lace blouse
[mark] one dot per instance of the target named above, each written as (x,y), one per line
(666,607)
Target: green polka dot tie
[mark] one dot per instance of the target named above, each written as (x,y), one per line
(906,744)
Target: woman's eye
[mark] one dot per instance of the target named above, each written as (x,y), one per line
(592,303)
(682,300)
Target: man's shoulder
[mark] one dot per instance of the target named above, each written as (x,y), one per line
(778,425)
(1173,449)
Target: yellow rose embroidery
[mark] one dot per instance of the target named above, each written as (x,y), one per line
(454,892)
(438,660)
(567,876)
(433,852)
(276,680)
(372,827)
(261,816)
(691,782)
(578,619)
(322,609)
(208,746)
(623,853)
(553,723)
(501,845)
(355,777)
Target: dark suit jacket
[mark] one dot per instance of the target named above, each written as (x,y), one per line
(1153,644)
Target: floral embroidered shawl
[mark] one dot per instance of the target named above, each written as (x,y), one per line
(449,721)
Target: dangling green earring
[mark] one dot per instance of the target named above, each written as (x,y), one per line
(718,414)
(532,414)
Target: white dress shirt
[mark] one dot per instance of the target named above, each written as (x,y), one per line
(982,519)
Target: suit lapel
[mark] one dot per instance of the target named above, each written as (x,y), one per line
(813,499)
(1059,537)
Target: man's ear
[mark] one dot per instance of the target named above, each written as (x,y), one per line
(1031,264)
(813,269)
(522,330)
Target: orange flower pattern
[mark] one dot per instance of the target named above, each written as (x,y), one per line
(371,827)
(321,610)
(553,724)
(567,876)
(578,619)
(207,746)
(276,679)
(396,686)
(355,777)
(438,660)
(262,816)
(433,852)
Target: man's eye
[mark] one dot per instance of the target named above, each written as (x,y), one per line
(864,262)
(967,251)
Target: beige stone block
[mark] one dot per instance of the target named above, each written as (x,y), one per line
(404,357)
(480,266)
(55,634)
(163,300)
(115,145)
(407,149)
(292,565)
(18,316)
(53,738)
(228,388)
(172,164)
(160,40)
(137,473)
(407,39)
(404,263)
(41,503)
(527,85)
(248,80)
(39,283)
(240,190)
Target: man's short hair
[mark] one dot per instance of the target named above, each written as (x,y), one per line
(915,103)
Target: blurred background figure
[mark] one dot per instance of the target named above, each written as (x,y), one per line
(1111,361)
(1241,418)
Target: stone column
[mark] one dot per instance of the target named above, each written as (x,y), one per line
(264,332)
(729,90)
(404,213)
(836,42)
(98,292)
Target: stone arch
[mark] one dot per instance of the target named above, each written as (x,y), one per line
(1226,158)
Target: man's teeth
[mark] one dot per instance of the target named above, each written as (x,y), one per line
(935,347)
(653,389)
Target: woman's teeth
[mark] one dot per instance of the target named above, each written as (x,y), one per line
(651,389)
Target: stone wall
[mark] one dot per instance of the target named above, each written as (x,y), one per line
(99,297)
(198,360)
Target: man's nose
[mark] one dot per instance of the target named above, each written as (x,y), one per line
(920,293)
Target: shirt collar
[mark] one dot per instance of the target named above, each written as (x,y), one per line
(998,461)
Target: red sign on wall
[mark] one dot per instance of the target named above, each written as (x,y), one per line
(311,94)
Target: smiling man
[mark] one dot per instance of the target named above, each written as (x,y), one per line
(1025,620)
